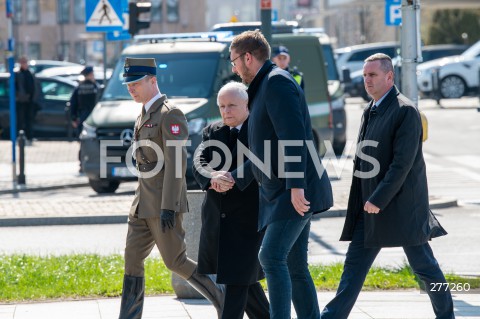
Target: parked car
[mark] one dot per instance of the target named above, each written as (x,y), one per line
(73,73)
(429,52)
(51,102)
(112,120)
(352,57)
(39,65)
(458,75)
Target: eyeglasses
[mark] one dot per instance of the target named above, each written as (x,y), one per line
(233,61)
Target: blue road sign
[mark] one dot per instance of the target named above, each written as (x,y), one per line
(104,15)
(393,12)
(123,34)
(118,35)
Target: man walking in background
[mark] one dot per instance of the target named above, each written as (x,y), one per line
(25,93)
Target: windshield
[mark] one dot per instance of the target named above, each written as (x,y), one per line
(187,75)
(332,72)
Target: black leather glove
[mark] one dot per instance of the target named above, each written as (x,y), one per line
(167,217)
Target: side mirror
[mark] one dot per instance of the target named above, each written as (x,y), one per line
(346,75)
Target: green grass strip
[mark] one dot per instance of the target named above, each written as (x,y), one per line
(28,278)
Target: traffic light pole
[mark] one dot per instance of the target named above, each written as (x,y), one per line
(266,18)
(13,113)
(410,48)
(104,59)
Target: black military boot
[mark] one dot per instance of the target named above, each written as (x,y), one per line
(204,285)
(132,297)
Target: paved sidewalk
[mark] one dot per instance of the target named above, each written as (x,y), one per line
(48,165)
(370,305)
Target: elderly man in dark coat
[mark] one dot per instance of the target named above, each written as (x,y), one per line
(388,204)
(229,241)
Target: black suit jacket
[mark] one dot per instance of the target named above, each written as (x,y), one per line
(399,188)
(229,241)
(279,112)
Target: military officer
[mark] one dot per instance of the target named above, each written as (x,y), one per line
(161,196)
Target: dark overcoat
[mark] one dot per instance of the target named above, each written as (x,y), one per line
(229,241)
(394,177)
(279,112)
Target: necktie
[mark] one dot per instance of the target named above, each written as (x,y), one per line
(143,111)
(232,139)
(374,108)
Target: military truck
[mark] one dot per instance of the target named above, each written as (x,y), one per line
(191,70)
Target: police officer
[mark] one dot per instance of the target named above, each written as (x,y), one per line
(160,200)
(84,98)
(281,58)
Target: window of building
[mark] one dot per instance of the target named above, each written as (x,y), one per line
(157,11)
(17,11)
(80,52)
(34,51)
(79,11)
(172,11)
(63,50)
(63,11)
(33,12)
(19,49)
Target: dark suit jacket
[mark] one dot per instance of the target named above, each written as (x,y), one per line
(279,112)
(400,187)
(229,241)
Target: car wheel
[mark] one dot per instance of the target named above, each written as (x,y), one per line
(452,87)
(103,187)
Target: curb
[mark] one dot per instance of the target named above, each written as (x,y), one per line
(121,219)
(42,188)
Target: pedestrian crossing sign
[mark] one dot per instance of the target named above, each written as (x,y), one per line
(104,15)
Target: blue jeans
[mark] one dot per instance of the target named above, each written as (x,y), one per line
(358,261)
(283,256)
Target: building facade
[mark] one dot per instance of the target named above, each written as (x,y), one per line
(55,29)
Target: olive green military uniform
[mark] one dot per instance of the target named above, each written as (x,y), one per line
(164,190)
(160,199)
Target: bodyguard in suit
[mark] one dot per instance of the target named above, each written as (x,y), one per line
(388,203)
(229,241)
(160,200)
(291,189)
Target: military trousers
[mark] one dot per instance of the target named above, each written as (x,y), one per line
(144,233)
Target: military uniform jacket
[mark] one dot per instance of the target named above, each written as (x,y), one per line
(229,241)
(162,125)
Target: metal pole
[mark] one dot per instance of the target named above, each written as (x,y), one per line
(410,48)
(266,16)
(13,113)
(21,158)
(104,58)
